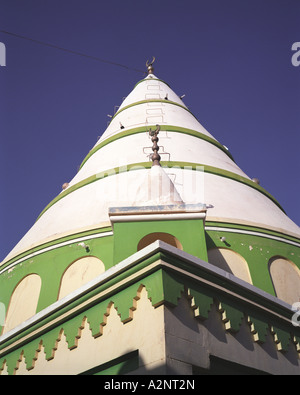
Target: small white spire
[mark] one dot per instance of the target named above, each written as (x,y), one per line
(157,189)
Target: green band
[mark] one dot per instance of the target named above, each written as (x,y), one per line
(144,129)
(153,101)
(170,164)
(251,228)
(150,80)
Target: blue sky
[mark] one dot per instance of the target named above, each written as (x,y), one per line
(231,58)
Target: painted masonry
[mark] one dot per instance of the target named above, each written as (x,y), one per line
(161,256)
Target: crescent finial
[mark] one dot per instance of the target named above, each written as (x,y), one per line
(150,65)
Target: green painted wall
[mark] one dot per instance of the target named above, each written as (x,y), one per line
(163,287)
(51,265)
(112,249)
(189,232)
(257,251)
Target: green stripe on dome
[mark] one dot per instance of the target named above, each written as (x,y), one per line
(58,242)
(167,128)
(250,228)
(170,164)
(150,80)
(152,101)
(208,225)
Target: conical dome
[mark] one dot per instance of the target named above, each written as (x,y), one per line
(158,213)
(111,174)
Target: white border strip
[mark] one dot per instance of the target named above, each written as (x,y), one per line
(62,244)
(253,233)
(155,217)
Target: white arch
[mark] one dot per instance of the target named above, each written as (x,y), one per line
(230,261)
(79,273)
(286,279)
(23,302)
(152,237)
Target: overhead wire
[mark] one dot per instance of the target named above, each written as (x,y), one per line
(72,52)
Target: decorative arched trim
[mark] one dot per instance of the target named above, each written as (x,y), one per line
(230,261)
(78,273)
(152,237)
(285,276)
(23,301)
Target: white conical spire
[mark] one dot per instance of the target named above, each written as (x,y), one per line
(187,150)
(157,189)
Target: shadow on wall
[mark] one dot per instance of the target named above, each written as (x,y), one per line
(152,237)
(228,260)
(129,364)
(216,258)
